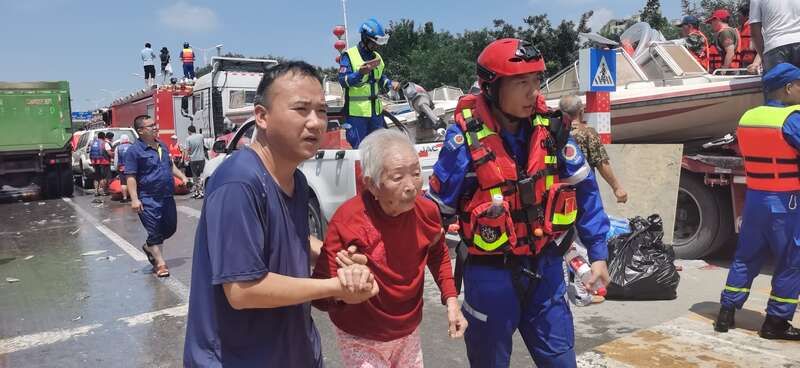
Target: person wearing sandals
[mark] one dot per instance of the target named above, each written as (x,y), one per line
(149,171)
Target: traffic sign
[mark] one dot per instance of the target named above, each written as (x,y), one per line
(598,70)
(81,115)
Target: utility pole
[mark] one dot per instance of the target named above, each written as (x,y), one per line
(346,28)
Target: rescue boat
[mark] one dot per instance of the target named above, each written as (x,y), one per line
(663,95)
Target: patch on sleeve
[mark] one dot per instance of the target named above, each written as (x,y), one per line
(343,69)
(570,152)
(455,141)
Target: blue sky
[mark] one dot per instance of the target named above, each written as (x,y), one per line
(95,44)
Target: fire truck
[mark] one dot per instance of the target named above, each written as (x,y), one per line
(162,103)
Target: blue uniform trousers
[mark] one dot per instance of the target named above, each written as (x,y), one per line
(159,217)
(494,312)
(770,224)
(360,127)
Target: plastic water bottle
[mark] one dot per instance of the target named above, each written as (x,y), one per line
(578,294)
(583,272)
(496,209)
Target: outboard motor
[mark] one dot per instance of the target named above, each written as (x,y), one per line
(419,100)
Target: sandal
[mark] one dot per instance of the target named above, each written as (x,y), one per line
(162,271)
(149,255)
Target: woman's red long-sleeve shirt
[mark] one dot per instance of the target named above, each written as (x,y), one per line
(398,248)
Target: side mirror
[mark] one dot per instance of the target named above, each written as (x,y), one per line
(218,147)
(185,104)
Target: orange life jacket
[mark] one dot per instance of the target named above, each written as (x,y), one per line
(770,162)
(187,55)
(175,150)
(538,207)
(702,58)
(717,54)
(746,55)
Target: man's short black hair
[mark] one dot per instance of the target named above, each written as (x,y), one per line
(110,135)
(101,135)
(138,121)
(147,45)
(300,68)
(192,129)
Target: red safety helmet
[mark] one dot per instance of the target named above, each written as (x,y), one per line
(508,57)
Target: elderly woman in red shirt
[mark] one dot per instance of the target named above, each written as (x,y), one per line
(399,232)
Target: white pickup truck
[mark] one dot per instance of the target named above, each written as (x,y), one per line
(334,175)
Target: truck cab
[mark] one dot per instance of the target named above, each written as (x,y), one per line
(224,97)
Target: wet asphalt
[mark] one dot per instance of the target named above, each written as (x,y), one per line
(76,291)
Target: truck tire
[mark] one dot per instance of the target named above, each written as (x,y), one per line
(317,225)
(67,186)
(703,219)
(50,183)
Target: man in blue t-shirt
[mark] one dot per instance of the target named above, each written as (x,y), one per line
(251,288)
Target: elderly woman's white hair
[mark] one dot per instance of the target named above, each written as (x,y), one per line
(374,148)
(571,104)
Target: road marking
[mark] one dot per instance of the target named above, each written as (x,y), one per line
(189,211)
(14,344)
(123,244)
(144,318)
(18,343)
(178,288)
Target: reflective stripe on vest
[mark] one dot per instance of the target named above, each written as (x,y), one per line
(770,162)
(363,97)
(187,56)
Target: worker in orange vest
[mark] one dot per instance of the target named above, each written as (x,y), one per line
(696,41)
(187,57)
(726,40)
(747,55)
(769,140)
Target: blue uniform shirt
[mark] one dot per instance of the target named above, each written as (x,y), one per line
(153,172)
(248,228)
(457,178)
(349,77)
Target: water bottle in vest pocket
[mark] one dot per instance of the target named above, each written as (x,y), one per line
(492,226)
(561,208)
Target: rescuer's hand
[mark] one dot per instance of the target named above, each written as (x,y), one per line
(599,273)
(136,206)
(396,85)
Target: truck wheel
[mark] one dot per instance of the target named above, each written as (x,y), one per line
(50,183)
(702,223)
(317,225)
(67,186)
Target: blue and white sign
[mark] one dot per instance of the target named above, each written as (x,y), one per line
(81,115)
(598,70)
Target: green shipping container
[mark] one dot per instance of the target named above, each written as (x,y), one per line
(34,116)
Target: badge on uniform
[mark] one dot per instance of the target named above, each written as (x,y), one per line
(489,234)
(570,152)
(343,69)
(455,141)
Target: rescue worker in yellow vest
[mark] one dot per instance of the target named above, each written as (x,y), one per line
(769,140)
(519,186)
(187,57)
(362,78)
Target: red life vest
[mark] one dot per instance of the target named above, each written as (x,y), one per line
(747,55)
(538,208)
(717,54)
(770,162)
(175,150)
(187,56)
(702,58)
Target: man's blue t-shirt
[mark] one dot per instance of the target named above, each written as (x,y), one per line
(152,169)
(248,228)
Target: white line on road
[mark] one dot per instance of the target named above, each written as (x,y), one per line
(18,343)
(189,211)
(140,319)
(173,284)
(14,344)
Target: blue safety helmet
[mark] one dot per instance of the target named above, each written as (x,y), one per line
(373,30)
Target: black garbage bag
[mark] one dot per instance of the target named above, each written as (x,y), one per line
(641,267)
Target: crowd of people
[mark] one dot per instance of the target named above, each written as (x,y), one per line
(518,181)
(148,56)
